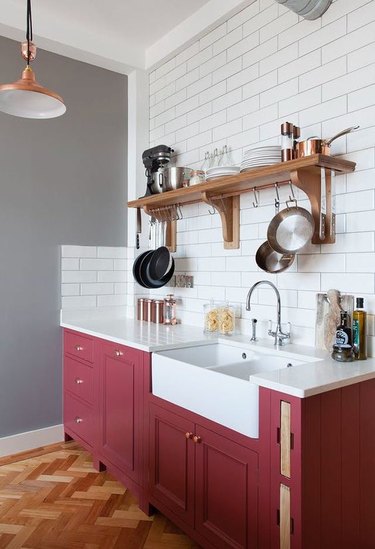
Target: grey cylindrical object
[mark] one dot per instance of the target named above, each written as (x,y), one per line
(309,9)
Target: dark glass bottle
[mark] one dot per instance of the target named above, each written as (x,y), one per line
(342,349)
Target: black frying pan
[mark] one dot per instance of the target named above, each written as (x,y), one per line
(159,263)
(141,275)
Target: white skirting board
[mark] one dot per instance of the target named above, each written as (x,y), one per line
(22,442)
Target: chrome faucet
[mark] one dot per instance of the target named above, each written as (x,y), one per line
(281,338)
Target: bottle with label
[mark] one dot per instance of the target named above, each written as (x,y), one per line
(342,349)
(359,330)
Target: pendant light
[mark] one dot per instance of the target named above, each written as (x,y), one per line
(26,97)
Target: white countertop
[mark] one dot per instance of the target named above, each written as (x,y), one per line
(319,374)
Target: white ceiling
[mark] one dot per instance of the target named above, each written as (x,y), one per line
(116,34)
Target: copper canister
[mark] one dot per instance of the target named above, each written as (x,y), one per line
(158,311)
(147,310)
(140,308)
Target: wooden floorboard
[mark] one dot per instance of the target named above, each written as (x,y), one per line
(53,498)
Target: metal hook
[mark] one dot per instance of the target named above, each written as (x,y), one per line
(256,197)
(180,212)
(291,196)
(214,210)
(277,199)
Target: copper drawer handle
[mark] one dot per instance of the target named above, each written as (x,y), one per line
(78,420)
(188,435)
(78,348)
(197,439)
(78,381)
(118,353)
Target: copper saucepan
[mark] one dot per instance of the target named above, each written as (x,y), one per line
(314,145)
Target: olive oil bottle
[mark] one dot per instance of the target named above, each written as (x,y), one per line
(359,330)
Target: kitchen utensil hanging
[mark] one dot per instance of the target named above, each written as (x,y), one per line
(141,271)
(268,259)
(292,228)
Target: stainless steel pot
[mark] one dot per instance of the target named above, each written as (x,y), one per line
(173,178)
(271,261)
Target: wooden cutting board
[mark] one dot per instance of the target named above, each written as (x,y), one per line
(328,308)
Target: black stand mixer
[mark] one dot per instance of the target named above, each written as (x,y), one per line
(154,159)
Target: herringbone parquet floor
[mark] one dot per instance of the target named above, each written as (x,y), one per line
(57,500)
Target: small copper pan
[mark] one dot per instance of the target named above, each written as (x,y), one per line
(314,145)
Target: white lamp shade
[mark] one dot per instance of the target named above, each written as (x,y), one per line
(28,99)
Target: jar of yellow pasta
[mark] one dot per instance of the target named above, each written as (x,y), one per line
(211,317)
(226,320)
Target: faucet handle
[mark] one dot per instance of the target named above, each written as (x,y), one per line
(253,329)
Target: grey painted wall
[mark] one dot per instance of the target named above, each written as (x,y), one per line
(62,181)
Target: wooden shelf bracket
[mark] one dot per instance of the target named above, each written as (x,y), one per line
(310,182)
(229,210)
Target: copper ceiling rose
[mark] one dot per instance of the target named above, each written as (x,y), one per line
(26,97)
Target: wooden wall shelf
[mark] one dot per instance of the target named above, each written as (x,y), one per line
(223,193)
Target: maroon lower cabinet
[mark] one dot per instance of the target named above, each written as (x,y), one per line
(226,490)
(207,478)
(80,407)
(120,377)
(326,498)
(172,462)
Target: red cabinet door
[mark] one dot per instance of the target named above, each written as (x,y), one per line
(172,462)
(226,498)
(119,383)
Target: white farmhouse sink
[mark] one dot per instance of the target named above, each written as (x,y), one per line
(213,381)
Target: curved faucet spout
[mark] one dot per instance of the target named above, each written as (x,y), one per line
(279,336)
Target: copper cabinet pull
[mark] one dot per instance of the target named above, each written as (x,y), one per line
(197,439)
(78,419)
(189,435)
(78,347)
(78,381)
(118,353)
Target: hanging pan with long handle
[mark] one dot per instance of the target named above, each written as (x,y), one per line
(267,258)
(291,229)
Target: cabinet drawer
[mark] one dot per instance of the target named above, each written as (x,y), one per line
(79,418)
(79,345)
(79,379)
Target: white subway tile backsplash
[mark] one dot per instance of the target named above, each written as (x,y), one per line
(361,57)
(112,276)
(349,42)
(111,300)
(235,86)
(243,46)
(96,264)
(112,253)
(361,16)
(361,98)
(78,302)
(360,262)
(78,276)
(200,58)
(347,282)
(70,264)
(97,289)
(227,70)
(323,36)
(70,289)
(78,251)
(355,80)
(227,41)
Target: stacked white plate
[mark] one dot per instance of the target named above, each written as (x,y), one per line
(221,171)
(261,156)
